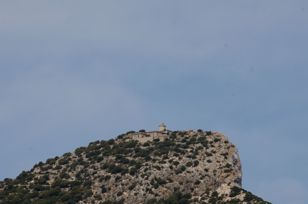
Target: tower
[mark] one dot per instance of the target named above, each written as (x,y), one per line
(162,127)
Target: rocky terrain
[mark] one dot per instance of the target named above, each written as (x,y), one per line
(143,167)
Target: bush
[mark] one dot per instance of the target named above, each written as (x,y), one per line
(51,161)
(120,136)
(122,159)
(197,182)
(67,154)
(180,169)
(132,186)
(176,198)
(133,171)
(188,164)
(103,189)
(216,139)
(79,151)
(92,154)
(196,163)
(63,161)
(129,144)
(115,169)
(24,176)
(235,191)
(130,132)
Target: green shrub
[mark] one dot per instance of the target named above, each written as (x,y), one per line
(188,164)
(216,139)
(130,132)
(180,169)
(79,151)
(103,189)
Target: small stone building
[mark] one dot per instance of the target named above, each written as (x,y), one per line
(143,137)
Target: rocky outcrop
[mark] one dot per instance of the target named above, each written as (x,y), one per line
(143,167)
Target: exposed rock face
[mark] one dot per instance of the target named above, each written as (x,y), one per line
(153,167)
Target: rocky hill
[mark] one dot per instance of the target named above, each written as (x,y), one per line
(137,167)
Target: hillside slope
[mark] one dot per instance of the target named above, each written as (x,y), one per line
(143,167)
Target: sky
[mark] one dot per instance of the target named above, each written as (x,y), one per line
(74,71)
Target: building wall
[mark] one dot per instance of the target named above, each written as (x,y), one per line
(143,137)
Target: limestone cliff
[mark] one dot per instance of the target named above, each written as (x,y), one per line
(137,167)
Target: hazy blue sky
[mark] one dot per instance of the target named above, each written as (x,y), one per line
(75,71)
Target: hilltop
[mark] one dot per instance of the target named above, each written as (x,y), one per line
(137,167)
